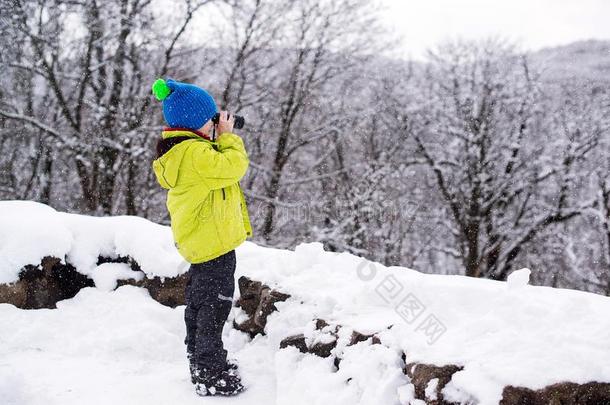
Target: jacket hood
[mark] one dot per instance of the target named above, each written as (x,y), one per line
(166,167)
(167,164)
(168,159)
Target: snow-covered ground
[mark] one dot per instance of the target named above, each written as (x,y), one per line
(122,347)
(116,347)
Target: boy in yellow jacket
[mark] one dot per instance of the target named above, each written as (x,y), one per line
(209,219)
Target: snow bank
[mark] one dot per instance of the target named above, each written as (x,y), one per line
(502,333)
(126,348)
(30,231)
(118,347)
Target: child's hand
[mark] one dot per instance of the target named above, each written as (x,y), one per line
(225,123)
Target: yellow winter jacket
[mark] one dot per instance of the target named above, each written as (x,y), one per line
(207,207)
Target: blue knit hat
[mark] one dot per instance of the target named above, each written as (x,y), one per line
(184,105)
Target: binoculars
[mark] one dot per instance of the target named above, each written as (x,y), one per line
(238,123)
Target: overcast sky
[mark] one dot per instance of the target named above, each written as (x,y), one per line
(532,23)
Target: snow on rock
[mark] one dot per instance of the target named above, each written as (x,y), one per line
(430,391)
(256,302)
(368,375)
(105,275)
(31,231)
(541,336)
(149,244)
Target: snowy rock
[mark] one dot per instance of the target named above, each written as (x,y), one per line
(168,291)
(325,340)
(296,341)
(48,256)
(429,381)
(320,349)
(257,300)
(32,231)
(593,393)
(369,374)
(42,286)
(51,281)
(358,337)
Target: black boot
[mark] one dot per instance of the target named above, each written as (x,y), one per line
(231,368)
(225,383)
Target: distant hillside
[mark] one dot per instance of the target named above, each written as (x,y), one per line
(584,61)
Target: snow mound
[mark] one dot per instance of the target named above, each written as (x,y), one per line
(518,278)
(32,230)
(501,333)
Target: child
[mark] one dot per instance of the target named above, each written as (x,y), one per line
(209,219)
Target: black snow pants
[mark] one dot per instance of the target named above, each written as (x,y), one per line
(209,295)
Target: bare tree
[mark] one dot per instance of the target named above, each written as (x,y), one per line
(484,142)
(97,78)
(316,31)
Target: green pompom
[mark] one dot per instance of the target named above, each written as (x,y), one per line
(160,89)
